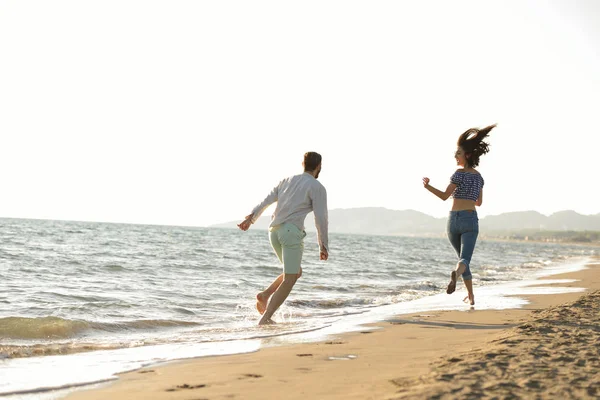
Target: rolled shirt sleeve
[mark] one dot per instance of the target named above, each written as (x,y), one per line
(270,199)
(319,201)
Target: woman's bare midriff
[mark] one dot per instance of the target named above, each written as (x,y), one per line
(463,204)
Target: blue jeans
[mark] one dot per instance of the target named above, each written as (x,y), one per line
(462,230)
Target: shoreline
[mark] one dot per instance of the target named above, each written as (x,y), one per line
(362,364)
(107,366)
(540,241)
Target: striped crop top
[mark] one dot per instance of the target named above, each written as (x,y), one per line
(468,185)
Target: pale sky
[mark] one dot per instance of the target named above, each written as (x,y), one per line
(189,112)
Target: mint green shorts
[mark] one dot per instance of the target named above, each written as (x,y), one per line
(288,242)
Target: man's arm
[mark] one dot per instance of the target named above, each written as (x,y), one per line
(259,209)
(319,201)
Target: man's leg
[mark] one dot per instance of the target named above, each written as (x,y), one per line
(262,298)
(292,247)
(282,292)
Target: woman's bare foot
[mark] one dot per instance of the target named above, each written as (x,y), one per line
(266,321)
(261,302)
(469,299)
(452,285)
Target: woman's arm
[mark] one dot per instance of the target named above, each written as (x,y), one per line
(479,199)
(442,195)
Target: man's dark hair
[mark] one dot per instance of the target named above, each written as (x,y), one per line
(311,161)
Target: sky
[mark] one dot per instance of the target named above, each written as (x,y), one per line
(190,112)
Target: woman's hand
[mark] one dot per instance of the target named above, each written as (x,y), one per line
(425,182)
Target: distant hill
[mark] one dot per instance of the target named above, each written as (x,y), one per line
(383,221)
(532,220)
(369,221)
(514,221)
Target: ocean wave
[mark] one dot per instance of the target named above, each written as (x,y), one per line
(40,328)
(331,303)
(39,350)
(25,328)
(367,298)
(114,267)
(326,288)
(182,310)
(421,286)
(536,264)
(77,297)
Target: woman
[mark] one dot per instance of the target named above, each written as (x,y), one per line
(466,188)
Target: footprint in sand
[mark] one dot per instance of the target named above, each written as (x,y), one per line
(334,342)
(533,384)
(447,377)
(251,376)
(185,386)
(304,355)
(402,382)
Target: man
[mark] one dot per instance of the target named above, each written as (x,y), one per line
(296,197)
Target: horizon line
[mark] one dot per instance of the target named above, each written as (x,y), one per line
(263,216)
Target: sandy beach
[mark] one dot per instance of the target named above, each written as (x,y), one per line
(547,349)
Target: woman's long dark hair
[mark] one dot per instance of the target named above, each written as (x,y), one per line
(473,145)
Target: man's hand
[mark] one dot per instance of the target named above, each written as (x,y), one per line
(324,255)
(425,182)
(245,224)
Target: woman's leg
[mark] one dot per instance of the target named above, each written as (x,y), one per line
(470,295)
(455,241)
(468,239)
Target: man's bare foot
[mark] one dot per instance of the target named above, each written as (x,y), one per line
(261,302)
(266,322)
(452,285)
(468,299)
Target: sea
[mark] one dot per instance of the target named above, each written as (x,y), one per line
(81,302)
